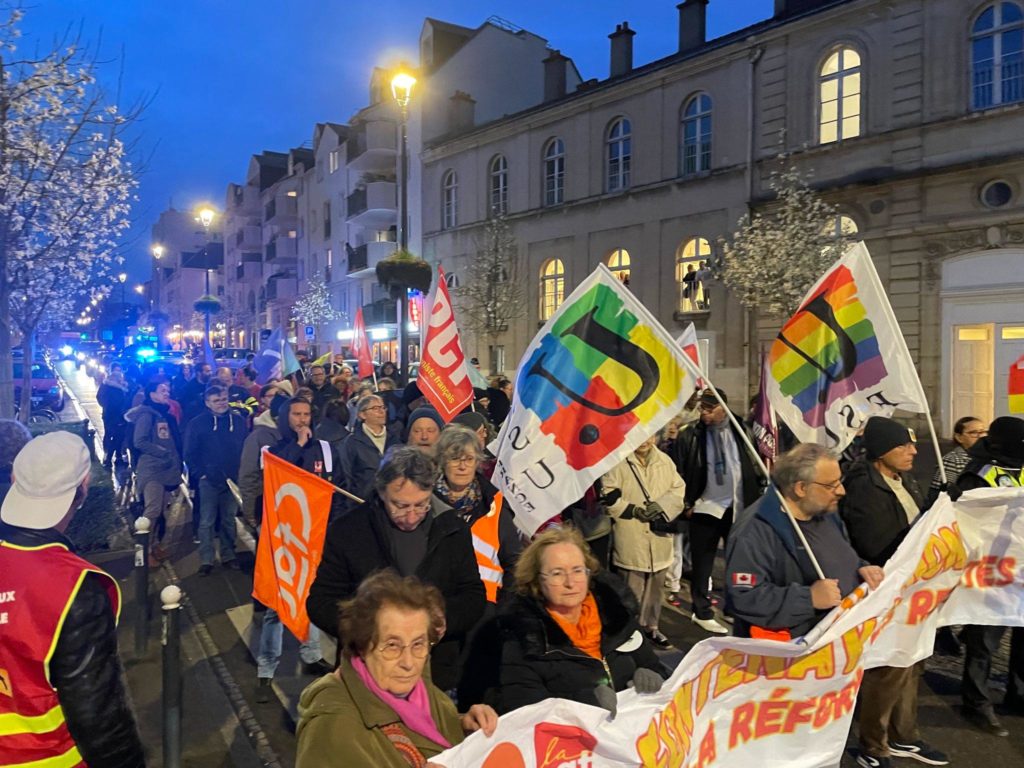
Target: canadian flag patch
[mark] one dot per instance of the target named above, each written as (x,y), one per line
(744,579)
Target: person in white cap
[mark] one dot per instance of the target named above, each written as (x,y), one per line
(62,694)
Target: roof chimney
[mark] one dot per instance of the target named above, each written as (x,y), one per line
(693,24)
(554,76)
(461,109)
(622,50)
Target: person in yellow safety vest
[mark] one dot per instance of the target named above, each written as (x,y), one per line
(63,702)
(997,461)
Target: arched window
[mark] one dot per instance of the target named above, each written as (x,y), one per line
(451,279)
(498,185)
(841,226)
(620,153)
(618,263)
(695,136)
(692,273)
(554,172)
(839,88)
(450,198)
(552,287)
(997,56)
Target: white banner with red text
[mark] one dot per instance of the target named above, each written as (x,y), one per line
(735,702)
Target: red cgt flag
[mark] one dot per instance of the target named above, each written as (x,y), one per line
(443,378)
(296,504)
(361,347)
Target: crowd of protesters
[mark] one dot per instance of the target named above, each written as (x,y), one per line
(441,605)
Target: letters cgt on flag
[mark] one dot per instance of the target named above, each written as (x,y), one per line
(600,378)
(842,358)
(443,377)
(296,504)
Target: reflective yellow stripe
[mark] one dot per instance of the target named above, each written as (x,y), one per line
(69,759)
(13,724)
(32,549)
(60,625)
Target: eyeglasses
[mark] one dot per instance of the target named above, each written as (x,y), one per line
(402,509)
(977,433)
(463,460)
(831,486)
(393,650)
(373,408)
(562,574)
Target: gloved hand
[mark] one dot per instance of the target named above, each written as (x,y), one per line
(661,525)
(630,512)
(611,497)
(647,681)
(606,699)
(650,511)
(952,489)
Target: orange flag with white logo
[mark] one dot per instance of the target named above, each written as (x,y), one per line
(443,378)
(296,504)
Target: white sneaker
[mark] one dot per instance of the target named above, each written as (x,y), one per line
(710,625)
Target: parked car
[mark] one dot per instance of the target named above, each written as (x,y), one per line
(47,391)
(232,357)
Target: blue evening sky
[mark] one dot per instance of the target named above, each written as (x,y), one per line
(231,78)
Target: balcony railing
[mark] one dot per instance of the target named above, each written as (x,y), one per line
(372,146)
(374,205)
(380,312)
(364,258)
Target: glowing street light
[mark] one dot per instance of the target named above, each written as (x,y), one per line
(205,216)
(401,88)
(157,250)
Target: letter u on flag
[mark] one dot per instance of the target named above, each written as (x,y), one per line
(601,377)
(842,358)
(443,378)
(295,509)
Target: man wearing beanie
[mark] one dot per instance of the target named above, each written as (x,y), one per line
(721,482)
(996,461)
(882,501)
(62,694)
(424,430)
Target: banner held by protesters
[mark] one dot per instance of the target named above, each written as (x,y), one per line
(601,377)
(275,360)
(443,378)
(361,349)
(296,505)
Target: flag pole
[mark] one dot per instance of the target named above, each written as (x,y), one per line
(697,373)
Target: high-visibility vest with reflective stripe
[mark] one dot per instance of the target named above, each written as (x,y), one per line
(1000,477)
(37,587)
(486,545)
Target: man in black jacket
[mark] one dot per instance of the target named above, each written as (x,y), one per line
(717,489)
(213,451)
(399,528)
(58,641)
(298,446)
(997,461)
(323,390)
(882,501)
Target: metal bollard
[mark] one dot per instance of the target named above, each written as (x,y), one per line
(171,641)
(142,525)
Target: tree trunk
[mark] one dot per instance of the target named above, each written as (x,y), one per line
(28,346)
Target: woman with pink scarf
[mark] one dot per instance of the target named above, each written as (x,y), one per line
(376,709)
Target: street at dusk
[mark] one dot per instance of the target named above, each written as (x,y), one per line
(489,385)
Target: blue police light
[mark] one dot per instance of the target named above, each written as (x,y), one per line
(146,353)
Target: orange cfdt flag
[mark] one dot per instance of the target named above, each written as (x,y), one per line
(295,510)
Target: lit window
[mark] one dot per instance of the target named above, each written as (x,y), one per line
(839,103)
(332,161)
(997,56)
(620,154)
(552,288)
(695,156)
(618,263)
(692,274)
(292,193)
(499,186)
(841,226)
(554,172)
(449,195)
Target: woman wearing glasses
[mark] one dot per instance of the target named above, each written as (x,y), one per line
(966,432)
(570,632)
(376,709)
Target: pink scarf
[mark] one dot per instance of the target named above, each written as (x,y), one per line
(413,710)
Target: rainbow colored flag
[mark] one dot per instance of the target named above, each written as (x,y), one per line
(600,378)
(841,358)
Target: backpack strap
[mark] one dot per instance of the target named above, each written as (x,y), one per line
(325,447)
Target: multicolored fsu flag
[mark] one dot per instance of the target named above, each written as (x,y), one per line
(443,378)
(600,378)
(842,358)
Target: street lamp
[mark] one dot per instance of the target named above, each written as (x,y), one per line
(401,89)
(158,251)
(205,217)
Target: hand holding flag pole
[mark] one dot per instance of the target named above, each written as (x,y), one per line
(698,373)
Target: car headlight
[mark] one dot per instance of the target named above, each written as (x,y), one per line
(66,350)
(55,390)
(103,369)
(80,355)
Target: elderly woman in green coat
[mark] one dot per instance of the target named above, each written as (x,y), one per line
(376,709)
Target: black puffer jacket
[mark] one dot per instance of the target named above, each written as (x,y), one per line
(690,456)
(874,517)
(86,670)
(539,661)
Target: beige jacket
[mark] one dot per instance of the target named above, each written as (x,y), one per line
(634,546)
